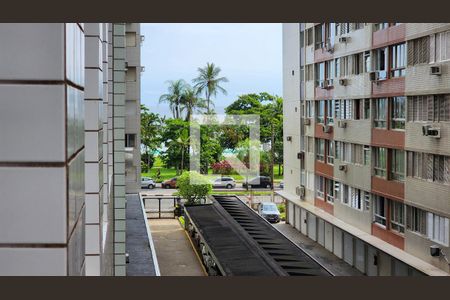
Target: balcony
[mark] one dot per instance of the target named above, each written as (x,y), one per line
(388,188)
(388,36)
(388,87)
(388,138)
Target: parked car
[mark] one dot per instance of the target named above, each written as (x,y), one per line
(259,181)
(169,183)
(282,185)
(147,182)
(224,182)
(269,211)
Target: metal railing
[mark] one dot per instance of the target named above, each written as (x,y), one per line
(160,206)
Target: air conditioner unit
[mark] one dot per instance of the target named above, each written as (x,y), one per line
(300,155)
(344,39)
(329,83)
(126,66)
(343,168)
(289,138)
(327,128)
(142,38)
(342,124)
(428,130)
(373,76)
(435,70)
(307,121)
(300,191)
(142,69)
(343,81)
(322,84)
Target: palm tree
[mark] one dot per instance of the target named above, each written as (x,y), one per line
(208,81)
(173,97)
(191,101)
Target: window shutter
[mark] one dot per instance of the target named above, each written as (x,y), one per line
(426,49)
(430,108)
(430,225)
(410,53)
(410,164)
(429,166)
(432,48)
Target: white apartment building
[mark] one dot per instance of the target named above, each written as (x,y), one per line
(366,125)
(67,103)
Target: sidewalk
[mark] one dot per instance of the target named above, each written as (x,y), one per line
(322,255)
(173,249)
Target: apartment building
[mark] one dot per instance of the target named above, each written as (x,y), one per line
(63,124)
(367,156)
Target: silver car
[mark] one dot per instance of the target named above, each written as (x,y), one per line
(224,182)
(147,182)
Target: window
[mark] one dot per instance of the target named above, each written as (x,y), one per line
(398,113)
(330,110)
(398,60)
(330,190)
(320,149)
(379,211)
(397,216)
(320,186)
(130,140)
(440,47)
(337,67)
(381,62)
(337,149)
(309,37)
(419,51)
(346,152)
(366,201)
(302,39)
(380,26)
(357,63)
(357,154)
(309,72)
(344,109)
(380,107)
(358,104)
(431,167)
(353,197)
(416,220)
(319,32)
(366,109)
(320,111)
(367,61)
(329,72)
(310,147)
(430,108)
(357,26)
(309,110)
(437,228)
(330,152)
(320,73)
(397,165)
(366,154)
(380,161)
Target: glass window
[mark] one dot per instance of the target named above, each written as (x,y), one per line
(330,190)
(380,161)
(398,60)
(320,73)
(366,155)
(397,165)
(380,107)
(320,149)
(416,220)
(398,113)
(438,228)
(320,111)
(380,210)
(330,152)
(397,216)
(320,186)
(330,111)
(381,62)
(366,109)
(367,61)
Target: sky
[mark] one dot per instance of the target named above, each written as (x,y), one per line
(248,54)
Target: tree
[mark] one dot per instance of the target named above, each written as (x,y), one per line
(191,102)
(193,187)
(208,81)
(174,150)
(173,97)
(151,124)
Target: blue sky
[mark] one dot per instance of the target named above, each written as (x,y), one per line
(248,54)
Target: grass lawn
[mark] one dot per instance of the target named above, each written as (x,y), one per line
(167,173)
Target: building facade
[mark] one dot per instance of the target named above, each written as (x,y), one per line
(63,95)
(367,156)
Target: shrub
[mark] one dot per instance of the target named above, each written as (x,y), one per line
(193,193)
(222,167)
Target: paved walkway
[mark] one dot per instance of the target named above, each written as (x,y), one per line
(173,249)
(333,263)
